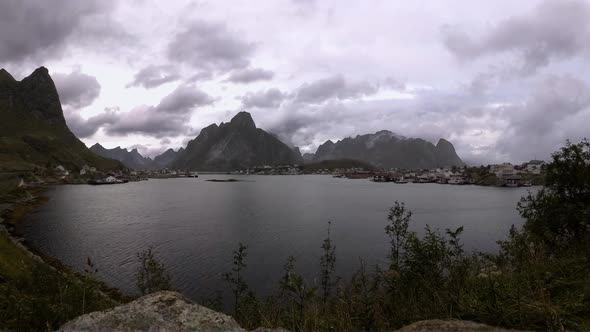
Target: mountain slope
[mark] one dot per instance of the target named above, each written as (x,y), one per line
(167,158)
(235,145)
(387,150)
(33,131)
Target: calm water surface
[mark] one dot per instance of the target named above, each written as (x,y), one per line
(194,224)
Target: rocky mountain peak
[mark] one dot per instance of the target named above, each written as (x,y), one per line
(389,150)
(243,120)
(5,76)
(41,98)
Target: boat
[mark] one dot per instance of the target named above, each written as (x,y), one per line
(401,180)
(193,175)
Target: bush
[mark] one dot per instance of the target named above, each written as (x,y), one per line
(152,276)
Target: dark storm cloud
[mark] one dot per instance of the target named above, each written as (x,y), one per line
(554,30)
(40,30)
(333,87)
(153,76)
(169,118)
(76,90)
(183,99)
(84,128)
(271,98)
(210,47)
(250,75)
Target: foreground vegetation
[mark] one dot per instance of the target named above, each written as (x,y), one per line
(539,280)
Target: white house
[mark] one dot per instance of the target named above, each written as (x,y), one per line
(534,166)
(503,170)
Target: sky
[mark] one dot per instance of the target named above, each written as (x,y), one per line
(502,80)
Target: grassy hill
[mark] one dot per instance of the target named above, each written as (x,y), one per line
(33,131)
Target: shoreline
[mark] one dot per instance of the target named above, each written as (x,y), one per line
(12,216)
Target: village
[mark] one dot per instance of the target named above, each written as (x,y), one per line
(505,174)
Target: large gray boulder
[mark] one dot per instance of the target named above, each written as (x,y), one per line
(438,325)
(161,311)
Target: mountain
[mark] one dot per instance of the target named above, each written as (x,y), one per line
(33,131)
(308,157)
(167,158)
(235,145)
(131,159)
(388,150)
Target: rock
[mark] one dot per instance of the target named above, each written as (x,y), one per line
(437,325)
(161,311)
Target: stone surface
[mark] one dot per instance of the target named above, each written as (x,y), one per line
(437,325)
(161,311)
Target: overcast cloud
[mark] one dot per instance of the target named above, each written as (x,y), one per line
(76,89)
(503,81)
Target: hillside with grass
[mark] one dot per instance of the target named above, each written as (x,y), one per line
(33,130)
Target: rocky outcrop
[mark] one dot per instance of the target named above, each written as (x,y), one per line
(162,311)
(437,325)
(235,145)
(33,130)
(388,150)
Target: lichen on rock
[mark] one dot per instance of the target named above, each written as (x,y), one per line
(161,311)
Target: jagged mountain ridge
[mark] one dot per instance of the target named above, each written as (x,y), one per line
(388,150)
(33,130)
(167,158)
(133,159)
(235,145)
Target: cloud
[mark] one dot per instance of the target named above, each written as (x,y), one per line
(554,30)
(250,75)
(554,112)
(153,76)
(183,99)
(169,118)
(33,30)
(76,90)
(333,87)
(271,98)
(210,47)
(84,128)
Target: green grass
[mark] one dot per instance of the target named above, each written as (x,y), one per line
(27,142)
(14,263)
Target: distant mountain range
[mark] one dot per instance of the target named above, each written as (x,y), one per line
(388,150)
(133,159)
(237,144)
(33,131)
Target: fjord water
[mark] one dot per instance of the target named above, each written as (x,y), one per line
(194,224)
